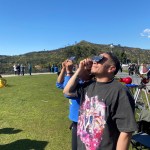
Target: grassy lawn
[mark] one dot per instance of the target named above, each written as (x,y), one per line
(33,114)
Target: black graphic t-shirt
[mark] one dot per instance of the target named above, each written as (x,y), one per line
(106,110)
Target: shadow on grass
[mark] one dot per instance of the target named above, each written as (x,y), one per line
(25,144)
(8,85)
(9,131)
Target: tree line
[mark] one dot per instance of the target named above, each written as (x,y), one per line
(45,59)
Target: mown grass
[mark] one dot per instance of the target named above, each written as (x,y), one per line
(33,114)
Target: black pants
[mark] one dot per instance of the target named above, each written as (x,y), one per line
(73,128)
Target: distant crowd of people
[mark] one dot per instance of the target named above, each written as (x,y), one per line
(19,69)
(141,69)
(133,69)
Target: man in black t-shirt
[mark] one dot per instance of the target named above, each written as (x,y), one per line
(106,119)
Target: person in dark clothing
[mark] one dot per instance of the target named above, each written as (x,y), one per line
(30,69)
(22,69)
(106,120)
(131,69)
(18,69)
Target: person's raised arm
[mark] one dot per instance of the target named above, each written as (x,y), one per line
(67,67)
(69,72)
(69,89)
(60,78)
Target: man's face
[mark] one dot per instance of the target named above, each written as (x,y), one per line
(101,67)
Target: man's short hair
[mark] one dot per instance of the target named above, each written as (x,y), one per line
(115,61)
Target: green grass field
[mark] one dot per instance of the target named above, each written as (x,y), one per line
(33,114)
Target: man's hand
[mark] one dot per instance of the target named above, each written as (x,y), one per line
(84,66)
(64,64)
(69,66)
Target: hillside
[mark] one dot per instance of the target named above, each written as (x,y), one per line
(81,50)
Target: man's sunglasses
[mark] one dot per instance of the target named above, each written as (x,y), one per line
(97,58)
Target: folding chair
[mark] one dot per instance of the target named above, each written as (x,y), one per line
(141,139)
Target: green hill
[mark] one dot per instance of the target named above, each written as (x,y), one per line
(80,50)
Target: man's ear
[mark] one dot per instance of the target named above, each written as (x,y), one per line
(112,69)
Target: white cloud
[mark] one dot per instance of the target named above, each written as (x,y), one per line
(146,33)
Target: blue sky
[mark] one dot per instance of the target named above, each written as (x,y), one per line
(35,25)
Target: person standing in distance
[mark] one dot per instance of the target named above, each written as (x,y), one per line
(30,68)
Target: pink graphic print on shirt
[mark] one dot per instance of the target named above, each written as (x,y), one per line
(91,122)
